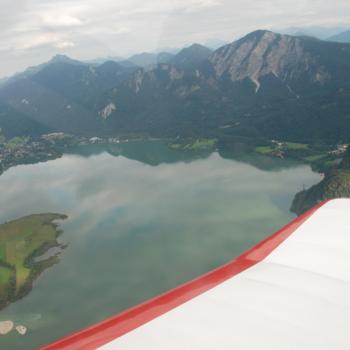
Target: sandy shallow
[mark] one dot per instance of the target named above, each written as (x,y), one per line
(21,330)
(6,327)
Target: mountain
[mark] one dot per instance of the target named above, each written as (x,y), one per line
(62,95)
(264,54)
(121,61)
(15,123)
(300,83)
(343,37)
(31,71)
(265,85)
(314,31)
(100,60)
(124,63)
(64,59)
(164,57)
(3,81)
(147,59)
(191,56)
(143,59)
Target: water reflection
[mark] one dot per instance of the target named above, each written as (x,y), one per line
(142,219)
(149,152)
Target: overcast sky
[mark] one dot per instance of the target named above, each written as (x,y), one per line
(31,31)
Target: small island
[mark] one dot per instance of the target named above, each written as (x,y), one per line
(23,242)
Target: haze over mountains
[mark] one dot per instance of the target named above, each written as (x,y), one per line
(263,85)
(147,59)
(343,37)
(339,34)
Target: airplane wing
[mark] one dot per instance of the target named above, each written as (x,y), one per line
(291,291)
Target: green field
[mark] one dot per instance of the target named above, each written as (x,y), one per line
(315,157)
(295,146)
(285,146)
(20,241)
(2,252)
(264,149)
(195,145)
(5,275)
(17,141)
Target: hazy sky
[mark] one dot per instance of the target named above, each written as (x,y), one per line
(31,31)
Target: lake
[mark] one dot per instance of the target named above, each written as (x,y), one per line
(141,219)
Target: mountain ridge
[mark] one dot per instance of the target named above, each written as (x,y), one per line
(264,84)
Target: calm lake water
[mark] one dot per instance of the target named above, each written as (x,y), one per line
(142,219)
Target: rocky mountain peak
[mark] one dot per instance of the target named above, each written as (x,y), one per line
(263,53)
(64,59)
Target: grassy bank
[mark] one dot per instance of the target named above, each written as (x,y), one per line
(21,241)
(194,145)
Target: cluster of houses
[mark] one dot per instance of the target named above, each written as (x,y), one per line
(60,136)
(26,150)
(340,149)
(94,140)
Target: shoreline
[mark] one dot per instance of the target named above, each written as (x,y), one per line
(37,233)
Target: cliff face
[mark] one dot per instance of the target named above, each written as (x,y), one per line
(265,53)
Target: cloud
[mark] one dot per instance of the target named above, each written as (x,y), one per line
(31,41)
(198,5)
(61,21)
(122,30)
(64,44)
(38,40)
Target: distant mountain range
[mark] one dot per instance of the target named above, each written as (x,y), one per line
(3,81)
(343,37)
(263,85)
(147,59)
(323,33)
(336,34)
